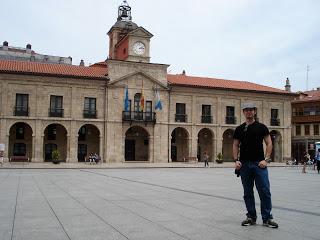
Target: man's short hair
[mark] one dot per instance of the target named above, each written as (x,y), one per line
(248,105)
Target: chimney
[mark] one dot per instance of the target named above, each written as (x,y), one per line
(287,86)
(5,45)
(183,72)
(69,60)
(28,48)
(32,57)
(81,63)
(318,88)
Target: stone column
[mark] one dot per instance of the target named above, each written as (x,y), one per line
(169,156)
(38,142)
(6,149)
(72,142)
(214,149)
(68,147)
(38,148)
(190,142)
(151,149)
(101,148)
(33,159)
(219,141)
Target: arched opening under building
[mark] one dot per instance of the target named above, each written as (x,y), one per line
(179,144)
(205,144)
(55,138)
(276,155)
(20,140)
(88,141)
(136,144)
(227,145)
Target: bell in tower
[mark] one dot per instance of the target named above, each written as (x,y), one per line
(124,12)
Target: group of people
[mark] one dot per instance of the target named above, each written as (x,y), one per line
(307,161)
(94,158)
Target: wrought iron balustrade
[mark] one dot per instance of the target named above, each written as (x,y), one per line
(206,119)
(231,120)
(56,112)
(88,113)
(21,111)
(181,117)
(138,116)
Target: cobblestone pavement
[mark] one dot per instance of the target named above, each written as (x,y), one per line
(151,203)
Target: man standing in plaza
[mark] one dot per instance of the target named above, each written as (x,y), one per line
(252,164)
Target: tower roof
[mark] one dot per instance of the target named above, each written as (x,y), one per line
(124,20)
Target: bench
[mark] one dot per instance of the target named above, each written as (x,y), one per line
(190,159)
(19,159)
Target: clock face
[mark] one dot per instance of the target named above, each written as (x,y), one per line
(139,48)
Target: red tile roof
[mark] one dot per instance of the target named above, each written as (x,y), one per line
(100,64)
(49,69)
(311,96)
(184,80)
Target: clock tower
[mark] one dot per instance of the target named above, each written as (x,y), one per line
(128,41)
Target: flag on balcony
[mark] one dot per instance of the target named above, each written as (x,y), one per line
(142,100)
(126,100)
(158,104)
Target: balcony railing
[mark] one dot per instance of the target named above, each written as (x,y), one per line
(231,120)
(206,119)
(311,113)
(275,122)
(88,113)
(56,112)
(21,111)
(138,116)
(181,117)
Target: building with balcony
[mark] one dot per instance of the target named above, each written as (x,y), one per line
(129,109)
(305,123)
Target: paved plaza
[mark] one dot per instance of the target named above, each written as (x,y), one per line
(151,203)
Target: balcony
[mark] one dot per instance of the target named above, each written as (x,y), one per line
(305,117)
(231,120)
(275,122)
(206,119)
(181,117)
(21,111)
(135,116)
(56,112)
(88,113)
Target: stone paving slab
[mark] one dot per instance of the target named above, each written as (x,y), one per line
(151,203)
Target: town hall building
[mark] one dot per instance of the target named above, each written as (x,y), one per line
(128,109)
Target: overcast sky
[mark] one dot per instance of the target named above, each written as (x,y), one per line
(261,41)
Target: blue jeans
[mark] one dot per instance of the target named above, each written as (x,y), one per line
(251,173)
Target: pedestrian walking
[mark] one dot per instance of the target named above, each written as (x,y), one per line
(206,159)
(317,157)
(252,164)
(306,158)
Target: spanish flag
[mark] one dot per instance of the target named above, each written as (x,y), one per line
(142,101)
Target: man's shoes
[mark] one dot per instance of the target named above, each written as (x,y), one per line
(270,223)
(248,222)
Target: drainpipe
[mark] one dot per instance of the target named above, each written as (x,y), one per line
(169,136)
(105,118)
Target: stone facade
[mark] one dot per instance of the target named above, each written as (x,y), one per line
(109,131)
(305,124)
(67,109)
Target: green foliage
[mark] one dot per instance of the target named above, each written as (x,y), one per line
(219,158)
(55,155)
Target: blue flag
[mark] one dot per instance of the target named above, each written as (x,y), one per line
(158,101)
(126,101)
